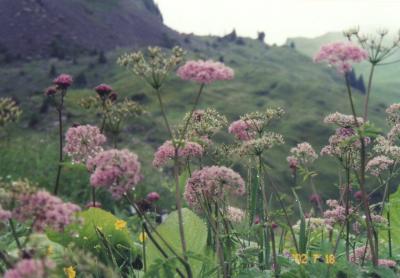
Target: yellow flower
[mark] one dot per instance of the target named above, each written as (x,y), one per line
(120,224)
(49,250)
(142,236)
(70,272)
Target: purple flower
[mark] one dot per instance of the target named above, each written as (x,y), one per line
(213,183)
(341,55)
(30,268)
(83,142)
(45,210)
(50,91)
(116,170)
(167,151)
(244,130)
(205,72)
(315,199)
(63,81)
(5,215)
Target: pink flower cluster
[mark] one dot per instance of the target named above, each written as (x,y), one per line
(167,151)
(341,55)
(243,130)
(153,197)
(235,215)
(378,164)
(205,72)
(213,183)
(359,254)
(387,263)
(303,153)
(393,112)
(5,215)
(46,211)
(394,133)
(336,214)
(339,143)
(63,81)
(116,170)
(83,143)
(30,268)
(342,120)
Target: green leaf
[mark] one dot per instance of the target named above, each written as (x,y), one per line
(86,237)
(394,208)
(195,235)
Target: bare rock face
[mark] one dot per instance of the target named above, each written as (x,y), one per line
(49,28)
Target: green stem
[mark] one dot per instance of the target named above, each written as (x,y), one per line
(60,150)
(14,234)
(368,219)
(366,102)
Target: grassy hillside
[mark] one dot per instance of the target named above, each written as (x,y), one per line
(265,76)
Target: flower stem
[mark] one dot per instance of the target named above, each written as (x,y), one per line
(60,135)
(366,102)
(14,234)
(368,219)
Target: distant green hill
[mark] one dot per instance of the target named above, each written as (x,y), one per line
(265,76)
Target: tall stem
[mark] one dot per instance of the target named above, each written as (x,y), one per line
(347,201)
(14,234)
(60,144)
(368,219)
(371,75)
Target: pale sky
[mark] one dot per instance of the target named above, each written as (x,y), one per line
(279,19)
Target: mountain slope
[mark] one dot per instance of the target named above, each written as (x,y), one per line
(71,27)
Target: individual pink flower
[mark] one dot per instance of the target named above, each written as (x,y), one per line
(378,164)
(45,210)
(205,72)
(153,197)
(341,55)
(213,183)
(5,215)
(30,268)
(387,263)
(103,90)
(63,81)
(116,170)
(83,142)
(243,130)
(167,151)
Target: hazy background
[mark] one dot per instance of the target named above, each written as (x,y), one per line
(280,19)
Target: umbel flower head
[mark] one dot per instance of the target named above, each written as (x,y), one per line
(31,268)
(205,123)
(116,170)
(83,143)
(45,210)
(341,55)
(185,150)
(243,130)
(155,67)
(303,153)
(342,120)
(205,72)
(393,112)
(378,164)
(212,183)
(9,111)
(259,145)
(103,90)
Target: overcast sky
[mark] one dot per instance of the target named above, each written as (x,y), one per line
(279,19)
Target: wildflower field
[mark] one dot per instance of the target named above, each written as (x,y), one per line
(94,192)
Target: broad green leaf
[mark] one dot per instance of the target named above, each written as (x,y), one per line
(394,208)
(195,235)
(86,237)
